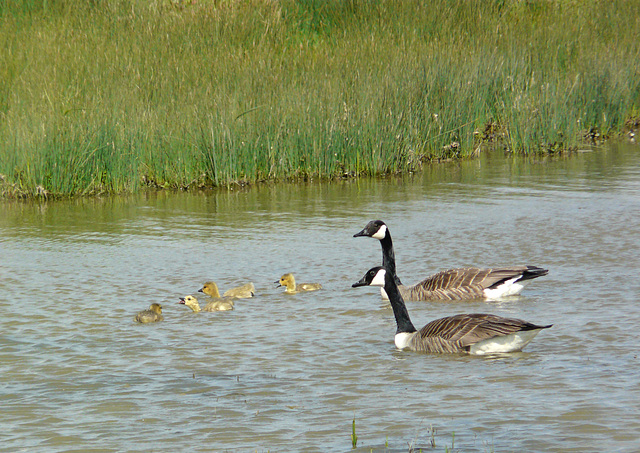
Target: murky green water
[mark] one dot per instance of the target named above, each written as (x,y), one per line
(289,373)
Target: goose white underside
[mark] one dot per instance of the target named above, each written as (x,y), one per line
(507,343)
(508,288)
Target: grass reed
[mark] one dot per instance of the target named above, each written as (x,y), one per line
(116,95)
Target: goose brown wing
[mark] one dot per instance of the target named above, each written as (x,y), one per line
(470,276)
(496,276)
(452,284)
(467,282)
(468,329)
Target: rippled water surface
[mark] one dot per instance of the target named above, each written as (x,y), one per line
(290,373)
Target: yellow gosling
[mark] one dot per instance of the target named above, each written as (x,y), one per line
(288,281)
(153,314)
(241,292)
(224,304)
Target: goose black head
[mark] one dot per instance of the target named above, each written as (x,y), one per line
(374,277)
(376,229)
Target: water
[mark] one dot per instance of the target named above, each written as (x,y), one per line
(290,373)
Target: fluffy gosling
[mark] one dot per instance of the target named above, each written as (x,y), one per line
(216,305)
(153,314)
(288,281)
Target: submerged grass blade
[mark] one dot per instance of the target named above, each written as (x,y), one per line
(354,436)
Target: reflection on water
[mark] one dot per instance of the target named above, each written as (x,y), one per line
(281,372)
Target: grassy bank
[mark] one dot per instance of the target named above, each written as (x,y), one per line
(111,96)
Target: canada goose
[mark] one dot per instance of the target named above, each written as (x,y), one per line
(453,284)
(241,292)
(471,333)
(224,304)
(289,282)
(153,314)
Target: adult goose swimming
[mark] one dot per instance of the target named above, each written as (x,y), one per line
(468,333)
(453,284)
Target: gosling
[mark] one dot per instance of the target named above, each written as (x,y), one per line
(240,292)
(216,305)
(153,314)
(288,281)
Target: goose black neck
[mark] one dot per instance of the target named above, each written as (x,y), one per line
(389,257)
(397,303)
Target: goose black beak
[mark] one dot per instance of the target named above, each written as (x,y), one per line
(201,290)
(181,301)
(361,233)
(278,281)
(360,282)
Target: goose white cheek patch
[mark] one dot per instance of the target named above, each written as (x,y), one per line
(381,233)
(378,280)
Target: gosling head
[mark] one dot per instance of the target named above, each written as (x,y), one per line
(376,229)
(374,277)
(286,280)
(191,302)
(156,308)
(210,289)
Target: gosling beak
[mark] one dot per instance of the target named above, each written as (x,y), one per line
(201,290)
(181,300)
(279,285)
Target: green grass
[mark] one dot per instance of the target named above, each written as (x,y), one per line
(116,95)
(354,436)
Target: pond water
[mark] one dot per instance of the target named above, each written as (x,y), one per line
(292,373)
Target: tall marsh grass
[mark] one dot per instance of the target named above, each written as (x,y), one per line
(112,95)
